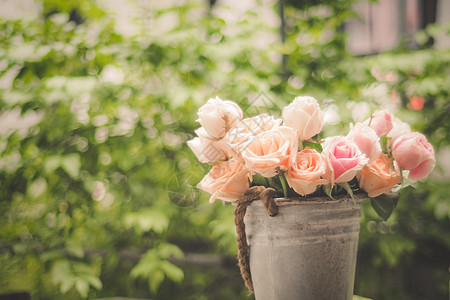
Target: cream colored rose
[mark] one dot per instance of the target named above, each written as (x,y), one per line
(305,116)
(271,151)
(217,117)
(226,181)
(379,176)
(206,149)
(306,173)
(366,139)
(246,130)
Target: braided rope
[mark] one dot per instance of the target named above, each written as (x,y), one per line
(266,195)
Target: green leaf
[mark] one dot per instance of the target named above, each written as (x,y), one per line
(82,269)
(155,280)
(349,190)
(74,248)
(76,275)
(166,250)
(327,189)
(384,141)
(52,163)
(71,164)
(385,204)
(95,282)
(315,146)
(172,271)
(154,266)
(67,284)
(143,268)
(82,287)
(147,219)
(60,271)
(260,180)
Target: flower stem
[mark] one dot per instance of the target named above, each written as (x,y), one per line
(271,182)
(284,184)
(300,145)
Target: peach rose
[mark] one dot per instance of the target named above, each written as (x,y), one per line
(306,173)
(343,158)
(206,149)
(380,121)
(305,116)
(271,151)
(413,152)
(379,176)
(226,181)
(247,129)
(218,116)
(366,139)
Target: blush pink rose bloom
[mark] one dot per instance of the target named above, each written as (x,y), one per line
(226,181)
(206,149)
(366,139)
(381,122)
(246,130)
(271,151)
(413,152)
(217,117)
(305,116)
(306,173)
(379,177)
(343,158)
(399,128)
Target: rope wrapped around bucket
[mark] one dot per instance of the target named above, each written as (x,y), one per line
(266,195)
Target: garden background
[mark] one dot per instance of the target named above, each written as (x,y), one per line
(98,99)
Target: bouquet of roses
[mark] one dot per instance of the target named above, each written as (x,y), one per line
(378,156)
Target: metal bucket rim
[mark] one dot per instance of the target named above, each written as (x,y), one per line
(318,200)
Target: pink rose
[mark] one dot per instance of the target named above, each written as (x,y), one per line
(218,116)
(344,159)
(366,139)
(247,129)
(227,181)
(380,121)
(306,173)
(399,128)
(305,116)
(271,151)
(206,149)
(379,176)
(413,152)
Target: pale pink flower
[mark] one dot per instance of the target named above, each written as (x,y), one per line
(305,116)
(366,139)
(245,131)
(217,117)
(399,128)
(380,121)
(413,152)
(344,159)
(226,181)
(207,149)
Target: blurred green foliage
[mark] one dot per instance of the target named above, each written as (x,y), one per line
(96,180)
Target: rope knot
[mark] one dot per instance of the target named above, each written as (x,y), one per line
(266,195)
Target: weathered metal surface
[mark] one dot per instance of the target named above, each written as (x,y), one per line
(308,251)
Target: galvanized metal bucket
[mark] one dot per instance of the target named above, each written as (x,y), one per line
(308,251)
